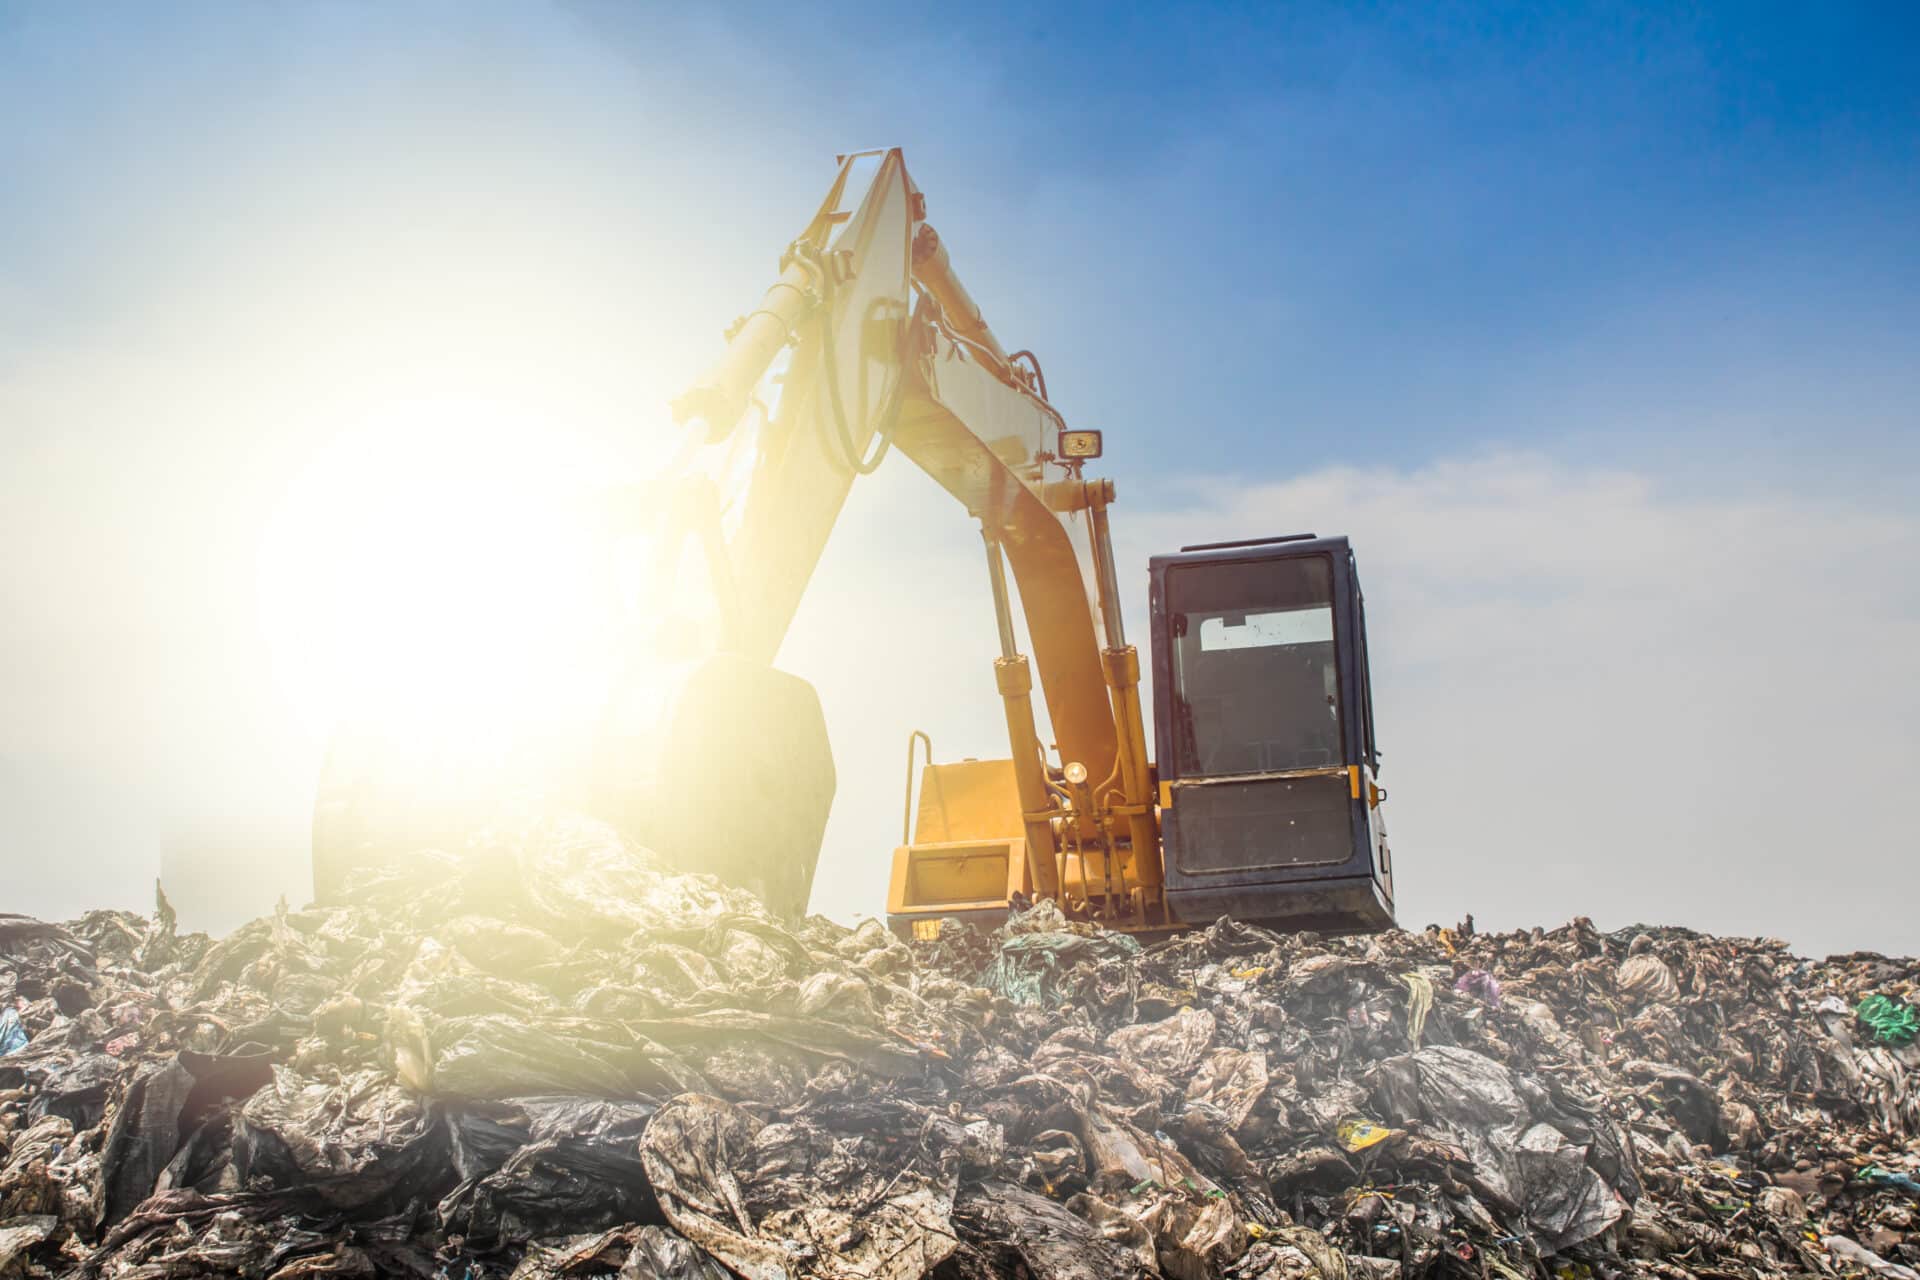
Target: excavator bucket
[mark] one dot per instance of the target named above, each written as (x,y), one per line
(719,766)
(729,772)
(1263,717)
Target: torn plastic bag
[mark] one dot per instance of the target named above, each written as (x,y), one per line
(373,1247)
(28,1186)
(1120,1155)
(144,1136)
(502,1056)
(821,1211)
(161,1109)
(838,996)
(629,1253)
(579,1169)
(1128,1229)
(1472,1100)
(582,880)
(1038,950)
(1173,1047)
(1694,1106)
(1451,1085)
(1292,1253)
(1176,1231)
(859,1218)
(550,1186)
(1465,1097)
(874,949)
(1566,1202)
(20,1236)
(661,1253)
(501,949)
(13,1036)
(482,1136)
(868,1048)
(1011,1231)
(757,953)
(1481,985)
(358,1143)
(1646,979)
(76,1089)
(1854,1252)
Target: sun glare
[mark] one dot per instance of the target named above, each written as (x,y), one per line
(440,574)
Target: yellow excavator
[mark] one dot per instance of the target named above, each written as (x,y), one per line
(1259,797)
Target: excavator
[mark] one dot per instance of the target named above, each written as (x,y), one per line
(1259,796)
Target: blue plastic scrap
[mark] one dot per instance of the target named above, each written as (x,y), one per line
(13,1036)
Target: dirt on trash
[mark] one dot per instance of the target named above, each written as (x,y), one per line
(543,1055)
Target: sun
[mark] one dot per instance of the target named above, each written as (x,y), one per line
(442,573)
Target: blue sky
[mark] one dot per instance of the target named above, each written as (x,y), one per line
(1344,232)
(1535,282)
(1351,230)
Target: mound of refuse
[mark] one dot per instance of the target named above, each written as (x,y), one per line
(544,1055)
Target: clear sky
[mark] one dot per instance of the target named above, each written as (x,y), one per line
(1595,327)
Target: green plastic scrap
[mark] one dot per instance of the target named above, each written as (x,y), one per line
(1031,967)
(1891,1021)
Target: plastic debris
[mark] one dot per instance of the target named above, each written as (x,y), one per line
(1481,985)
(1891,1021)
(541,1055)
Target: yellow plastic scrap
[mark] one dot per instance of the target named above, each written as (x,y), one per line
(1358,1135)
(1248,975)
(1419,1004)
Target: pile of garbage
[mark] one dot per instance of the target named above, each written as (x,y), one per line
(545,1055)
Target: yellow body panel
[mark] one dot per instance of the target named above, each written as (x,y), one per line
(968,800)
(957,875)
(969,850)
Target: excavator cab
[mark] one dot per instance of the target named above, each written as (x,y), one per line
(1263,721)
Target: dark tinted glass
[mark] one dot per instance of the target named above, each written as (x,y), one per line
(1255,683)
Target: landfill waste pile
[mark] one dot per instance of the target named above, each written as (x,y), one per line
(543,1055)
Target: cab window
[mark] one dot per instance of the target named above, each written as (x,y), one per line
(1255,678)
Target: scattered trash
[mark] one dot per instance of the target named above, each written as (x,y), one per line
(1481,985)
(1644,978)
(541,1055)
(1891,1021)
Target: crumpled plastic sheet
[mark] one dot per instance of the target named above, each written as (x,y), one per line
(1468,1099)
(541,1054)
(13,1036)
(1042,954)
(790,1199)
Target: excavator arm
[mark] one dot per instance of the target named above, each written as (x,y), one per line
(868,342)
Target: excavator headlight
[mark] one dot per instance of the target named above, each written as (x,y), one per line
(1079,444)
(1076,773)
